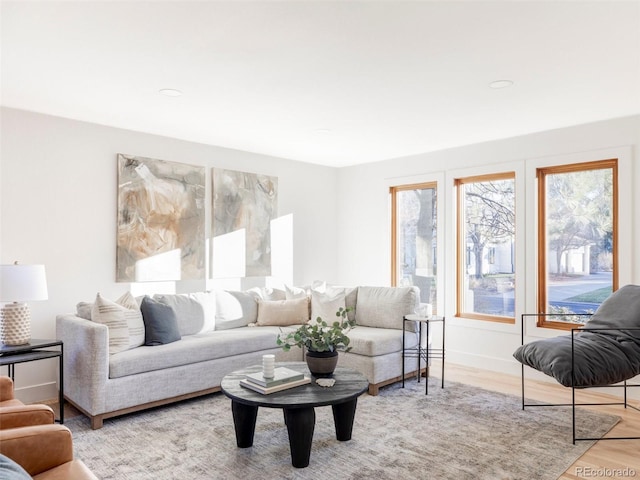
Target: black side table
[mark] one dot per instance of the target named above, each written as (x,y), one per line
(420,352)
(36,349)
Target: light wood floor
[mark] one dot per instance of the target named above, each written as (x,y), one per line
(611,455)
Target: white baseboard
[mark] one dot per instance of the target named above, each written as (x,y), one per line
(494,364)
(512,367)
(37,393)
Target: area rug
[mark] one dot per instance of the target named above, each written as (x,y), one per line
(459,432)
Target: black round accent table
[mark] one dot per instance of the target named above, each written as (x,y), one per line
(298,405)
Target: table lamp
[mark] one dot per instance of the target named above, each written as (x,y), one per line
(19,284)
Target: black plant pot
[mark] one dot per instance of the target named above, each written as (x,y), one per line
(322,364)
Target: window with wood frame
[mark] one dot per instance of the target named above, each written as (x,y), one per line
(577,239)
(413,238)
(486,213)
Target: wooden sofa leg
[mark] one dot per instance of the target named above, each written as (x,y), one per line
(373,390)
(96,422)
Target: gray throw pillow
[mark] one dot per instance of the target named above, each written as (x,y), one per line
(10,470)
(160,323)
(189,312)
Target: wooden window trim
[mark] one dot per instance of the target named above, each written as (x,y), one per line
(461,246)
(541,174)
(394,221)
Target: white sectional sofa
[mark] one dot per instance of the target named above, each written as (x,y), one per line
(104,379)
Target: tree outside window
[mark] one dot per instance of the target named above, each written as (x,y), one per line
(414,246)
(486,247)
(577,238)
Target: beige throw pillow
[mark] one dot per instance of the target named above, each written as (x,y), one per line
(281,313)
(123,319)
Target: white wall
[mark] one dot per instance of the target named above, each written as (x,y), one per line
(58,208)
(364,254)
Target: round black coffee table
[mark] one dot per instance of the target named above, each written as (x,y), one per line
(298,405)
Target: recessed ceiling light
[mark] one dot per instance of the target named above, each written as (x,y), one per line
(322,131)
(170,92)
(501,84)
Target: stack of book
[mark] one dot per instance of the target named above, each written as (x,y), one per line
(283,379)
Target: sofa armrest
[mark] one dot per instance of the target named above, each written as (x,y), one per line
(6,388)
(75,470)
(25,415)
(86,361)
(37,448)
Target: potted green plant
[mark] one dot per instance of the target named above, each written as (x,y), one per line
(322,342)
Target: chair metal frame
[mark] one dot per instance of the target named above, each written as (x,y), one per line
(573,403)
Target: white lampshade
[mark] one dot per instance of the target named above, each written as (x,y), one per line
(19,284)
(22,283)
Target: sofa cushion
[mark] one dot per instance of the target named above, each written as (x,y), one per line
(235,309)
(283,312)
(384,307)
(372,341)
(123,319)
(195,348)
(195,312)
(160,323)
(619,311)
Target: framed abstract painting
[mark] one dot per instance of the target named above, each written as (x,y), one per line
(161,220)
(244,204)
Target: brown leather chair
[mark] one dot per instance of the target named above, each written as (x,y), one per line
(13,413)
(29,437)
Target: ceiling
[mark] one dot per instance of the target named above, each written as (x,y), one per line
(333,83)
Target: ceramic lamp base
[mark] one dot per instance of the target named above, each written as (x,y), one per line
(15,324)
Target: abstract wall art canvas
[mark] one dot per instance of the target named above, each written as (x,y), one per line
(245,203)
(161,220)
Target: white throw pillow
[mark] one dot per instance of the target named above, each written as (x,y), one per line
(351,296)
(208,302)
(282,313)
(326,304)
(235,309)
(267,293)
(123,319)
(293,293)
(319,286)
